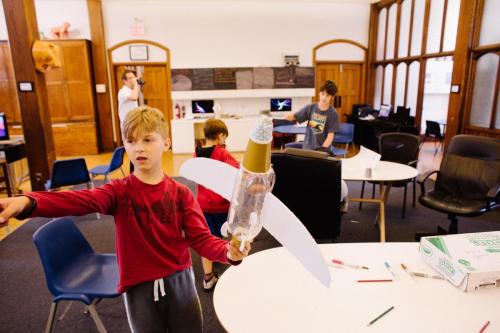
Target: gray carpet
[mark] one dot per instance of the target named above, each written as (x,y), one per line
(25,300)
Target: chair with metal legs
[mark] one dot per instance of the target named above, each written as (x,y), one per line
(74,272)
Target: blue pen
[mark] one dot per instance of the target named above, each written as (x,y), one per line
(390,270)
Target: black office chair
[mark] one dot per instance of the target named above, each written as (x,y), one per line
(433,131)
(468,181)
(400,148)
(304,193)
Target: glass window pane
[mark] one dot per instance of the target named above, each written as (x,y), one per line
(378,88)
(490,34)
(435,22)
(411,100)
(436,90)
(450,28)
(404,29)
(484,88)
(381,34)
(391,31)
(400,85)
(388,84)
(418,25)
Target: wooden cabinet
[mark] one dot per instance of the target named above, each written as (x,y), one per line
(70,94)
(8,90)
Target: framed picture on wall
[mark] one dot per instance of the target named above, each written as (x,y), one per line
(138,52)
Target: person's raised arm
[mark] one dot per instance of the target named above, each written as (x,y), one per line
(290,117)
(134,95)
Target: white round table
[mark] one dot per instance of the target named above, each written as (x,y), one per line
(271,292)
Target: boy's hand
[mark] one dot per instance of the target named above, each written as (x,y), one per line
(234,253)
(12,207)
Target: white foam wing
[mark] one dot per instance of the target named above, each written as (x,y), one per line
(276,217)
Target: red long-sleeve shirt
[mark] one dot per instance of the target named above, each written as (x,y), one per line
(155,225)
(211,202)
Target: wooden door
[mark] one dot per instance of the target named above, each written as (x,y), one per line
(347,77)
(156,92)
(349,88)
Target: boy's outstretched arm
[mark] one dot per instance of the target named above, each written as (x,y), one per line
(12,207)
(56,204)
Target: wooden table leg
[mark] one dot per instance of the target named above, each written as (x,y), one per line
(380,218)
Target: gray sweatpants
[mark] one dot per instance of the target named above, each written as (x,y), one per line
(177,308)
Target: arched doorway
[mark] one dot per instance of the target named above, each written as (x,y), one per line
(153,61)
(344,62)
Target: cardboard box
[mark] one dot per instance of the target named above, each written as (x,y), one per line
(468,261)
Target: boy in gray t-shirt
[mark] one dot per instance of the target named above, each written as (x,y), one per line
(322,119)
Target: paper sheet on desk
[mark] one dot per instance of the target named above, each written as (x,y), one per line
(276,217)
(365,159)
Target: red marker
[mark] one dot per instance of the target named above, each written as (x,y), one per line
(340,262)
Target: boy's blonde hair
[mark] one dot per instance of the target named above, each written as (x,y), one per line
(144,119)
(214,127)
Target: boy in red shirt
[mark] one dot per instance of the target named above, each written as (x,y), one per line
(214,207)
(156,220)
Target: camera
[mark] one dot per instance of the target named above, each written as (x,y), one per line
(141,82)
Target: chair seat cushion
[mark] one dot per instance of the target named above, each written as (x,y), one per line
(99,170)
(447,203)
(91,277)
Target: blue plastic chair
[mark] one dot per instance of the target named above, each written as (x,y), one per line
(74,272)
(345,135)
(115,164)
(69,172)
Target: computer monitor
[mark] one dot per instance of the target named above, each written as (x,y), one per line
(4,130)
(202,107)
(385,111)
(281,104)
(402,115)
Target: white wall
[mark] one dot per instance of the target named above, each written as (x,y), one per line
(52,13)
(236,34)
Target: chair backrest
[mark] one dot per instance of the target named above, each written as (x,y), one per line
(60,245)
(69,172)
(116,159)
(310,187)
(402,115)
(399,147)
(433,128)
(346,129)
(470,166)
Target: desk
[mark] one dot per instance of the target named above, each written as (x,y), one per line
(271,292)
(290,129)
(10,153)
(384,173)
(366,132)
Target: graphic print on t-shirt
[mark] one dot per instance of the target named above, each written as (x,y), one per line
(317,122)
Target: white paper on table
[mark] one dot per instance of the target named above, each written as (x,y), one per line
(276,217)
(365,159)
